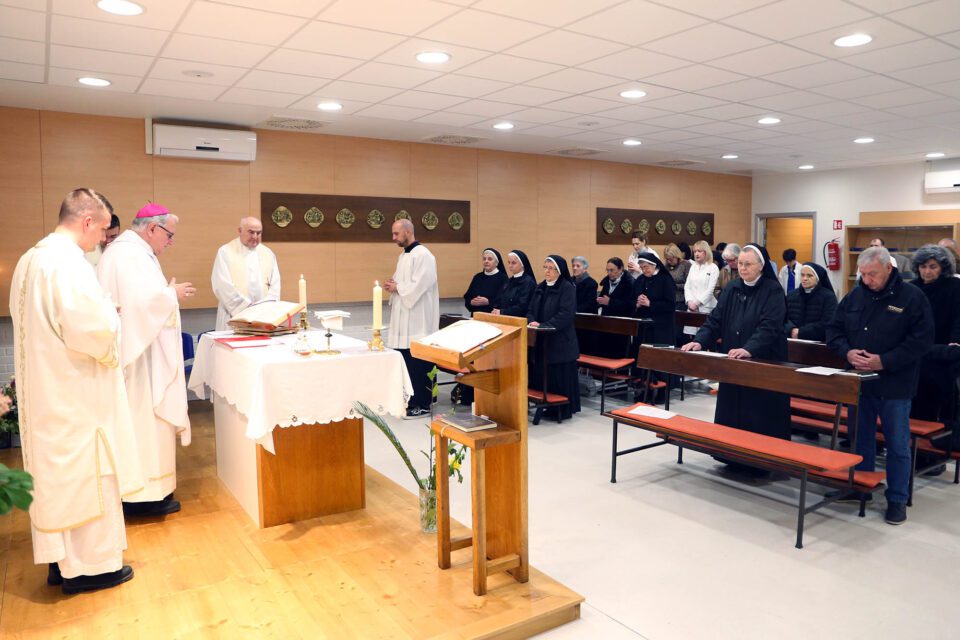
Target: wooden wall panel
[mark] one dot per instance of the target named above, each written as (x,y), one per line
(507,202)
(106,154)
(659,189)
(21,192)
(209,197)
(787,233)
(564,224)
(879,218)
(611,185)
(367,167)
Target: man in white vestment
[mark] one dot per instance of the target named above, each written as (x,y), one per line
(77,434)
(93,257)
(414,311)
(244,272)
(151,352)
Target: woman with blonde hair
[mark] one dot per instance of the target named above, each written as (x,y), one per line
(698,289)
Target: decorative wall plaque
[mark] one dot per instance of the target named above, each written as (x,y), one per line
(345,218)
(340,218)
(281,216)
(626,226)
(610,220)
(313,217)
(375,219)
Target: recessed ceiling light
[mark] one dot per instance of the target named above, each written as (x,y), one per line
(863,140)
(330,106)
(936,154)
(805,167)
(768,120)
(633,93)
(433,57)
(120,7)
(94,82)
(632,142)
(503,126)
(730,156)
(853,40)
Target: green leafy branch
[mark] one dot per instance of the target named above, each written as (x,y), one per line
(15,488)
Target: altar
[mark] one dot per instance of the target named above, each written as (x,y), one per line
(288,445)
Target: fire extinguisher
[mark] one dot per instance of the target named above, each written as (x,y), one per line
(831,254)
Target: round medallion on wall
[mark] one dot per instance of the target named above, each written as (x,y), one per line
(692,228)
(430,221)
(455,221)
(676,227)
(706,227)
(644,227)
(345,218)
(281,216)
(401,215)
(609,226)
(661,227)
(375,219)
(626,226)
(313,217)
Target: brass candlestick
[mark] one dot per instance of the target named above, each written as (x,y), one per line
(304,325)
(376,344)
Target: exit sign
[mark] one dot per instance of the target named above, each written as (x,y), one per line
(837,225)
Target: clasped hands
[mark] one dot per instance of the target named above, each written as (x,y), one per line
(390,285)
(863,360)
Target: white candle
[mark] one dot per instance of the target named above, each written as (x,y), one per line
(377,305)
(303,291)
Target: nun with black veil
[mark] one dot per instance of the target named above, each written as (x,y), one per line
(811,305)
(483,294)
(749,319)
(554,304)
(654,292)
(517,291)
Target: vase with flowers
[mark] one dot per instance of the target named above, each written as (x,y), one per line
(9,416)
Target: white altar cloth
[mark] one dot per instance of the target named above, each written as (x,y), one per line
(273,386)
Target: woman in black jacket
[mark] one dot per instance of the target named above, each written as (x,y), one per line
(483,294)
(811,305)
(516,293)
(655,294)
(554,304)
(616,299)
(749,319)
(586,286)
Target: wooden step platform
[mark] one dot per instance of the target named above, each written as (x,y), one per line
(208,572)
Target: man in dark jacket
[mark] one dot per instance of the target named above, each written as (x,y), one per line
(886,327)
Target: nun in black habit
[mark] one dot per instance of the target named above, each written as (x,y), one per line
(554,304)
(517,291)
(811,305)
(616,299)
(483,294)
(655,293)
(749,319)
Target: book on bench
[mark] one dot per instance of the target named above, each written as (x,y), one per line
(467,421)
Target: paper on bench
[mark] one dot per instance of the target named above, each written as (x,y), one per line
(651,412)
(715,354)
(820,371)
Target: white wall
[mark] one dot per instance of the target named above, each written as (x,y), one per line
(843,194)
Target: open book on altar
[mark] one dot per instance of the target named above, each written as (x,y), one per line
(267,317)
(462,336)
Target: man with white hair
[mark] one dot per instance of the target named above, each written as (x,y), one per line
(151,352)
(78,440)
(884,326)
(244,272)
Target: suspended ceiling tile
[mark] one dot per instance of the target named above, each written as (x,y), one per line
(707,42)
(566,48)
(483,30)
(22,24)
(792,18)
(182,46)
(247,25)
(390,75)
(635,22)
(283,82)
(635,63)
(91,34)
(509,68)
(408,17)
(320,65)
(259,98)
(176,89)
(465,86)
(554,13)
(341,40)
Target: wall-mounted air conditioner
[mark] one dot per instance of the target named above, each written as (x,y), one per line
(200,142)
(943,176)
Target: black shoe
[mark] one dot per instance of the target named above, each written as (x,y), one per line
(53,575)
(97,582)
(896,513)
(416,412)
(845,496)
(149,509)
(936,471)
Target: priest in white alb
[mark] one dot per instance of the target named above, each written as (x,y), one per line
(151,352)
(244,272)
(75,425)
(414,311)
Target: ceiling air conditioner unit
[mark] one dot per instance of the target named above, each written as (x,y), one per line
(199,142)
(942,176)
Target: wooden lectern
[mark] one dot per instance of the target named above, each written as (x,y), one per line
(497,370)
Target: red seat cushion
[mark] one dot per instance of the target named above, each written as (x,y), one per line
(610,364)
(552,398)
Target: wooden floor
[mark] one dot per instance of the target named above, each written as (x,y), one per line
(208,572)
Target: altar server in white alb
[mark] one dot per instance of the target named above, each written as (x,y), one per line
(414,311)
(245,272)
(151,352)
(78,440)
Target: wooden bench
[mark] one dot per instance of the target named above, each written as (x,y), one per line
(612,368)
(806,461)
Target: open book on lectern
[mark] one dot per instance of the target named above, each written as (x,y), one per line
(267,316)
(462,336)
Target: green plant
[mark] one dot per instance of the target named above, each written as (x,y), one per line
(10,419)
(15,487)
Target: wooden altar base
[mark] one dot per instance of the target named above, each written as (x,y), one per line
(209,572)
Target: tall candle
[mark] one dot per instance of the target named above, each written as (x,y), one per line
(303,291)
(377,305)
